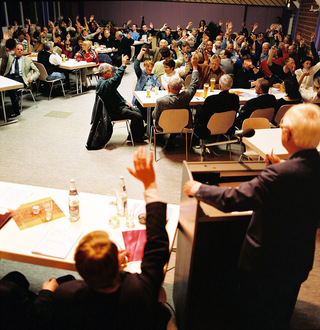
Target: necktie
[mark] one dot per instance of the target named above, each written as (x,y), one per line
(16,68)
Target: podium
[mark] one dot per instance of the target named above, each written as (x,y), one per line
(208,246)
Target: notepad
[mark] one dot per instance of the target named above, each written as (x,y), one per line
(58,241)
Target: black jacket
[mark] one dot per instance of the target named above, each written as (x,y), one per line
(101,126)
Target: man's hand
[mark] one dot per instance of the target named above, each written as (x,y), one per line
(50,285)
(174,44)
(91,18)
(122,258)
(129,105)
(129,21)
(188,186)
(5,36)
(30,79)
(124,60)
(312,37)
(272,159)
(195,60)
(151,25)
(143,168)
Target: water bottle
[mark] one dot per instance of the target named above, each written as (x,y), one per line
(122,198)
(74,213)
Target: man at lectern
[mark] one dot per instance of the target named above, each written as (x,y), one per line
(278,250)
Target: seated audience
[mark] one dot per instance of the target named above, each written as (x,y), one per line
(22,69)
(86,53)
(117,107)
(226,63)
(293,95)
(307,72)
(224,101)
(210,71)
(248,75)
(262,101)
(313,97)
(166,54)
(177,98)
(170,71)
(51,61)
(123,45)
(145,79)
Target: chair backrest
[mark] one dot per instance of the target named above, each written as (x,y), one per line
(256,123)
(43,71)
(173,120)
(187,80)
(282,110)
(263,113)
(219,123)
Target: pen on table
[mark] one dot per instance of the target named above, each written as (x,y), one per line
(271,156)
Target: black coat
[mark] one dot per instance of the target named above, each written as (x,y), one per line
(101,126)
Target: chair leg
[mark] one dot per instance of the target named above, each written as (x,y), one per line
(154,144)
(186,146)
(34,100)
(64,94)
(203,150)
(50,91)
(129,131)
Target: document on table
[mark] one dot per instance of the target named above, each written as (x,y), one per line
(58,241)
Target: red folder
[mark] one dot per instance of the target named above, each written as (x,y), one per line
(134,241)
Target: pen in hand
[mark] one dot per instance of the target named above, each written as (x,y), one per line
(269,161)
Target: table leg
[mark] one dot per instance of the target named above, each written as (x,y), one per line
(6,122)
(148,121)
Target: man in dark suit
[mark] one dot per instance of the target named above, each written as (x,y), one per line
(110,297)
(117,107)
(176,99)
(262,101)
(278,249)
(222,102)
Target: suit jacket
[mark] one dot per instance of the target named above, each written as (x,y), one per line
(280,239)
(28,68)
(134,305)
(224,101)
(260,102)
(177,101)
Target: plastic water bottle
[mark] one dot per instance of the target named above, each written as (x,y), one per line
(74,212)
(122,198)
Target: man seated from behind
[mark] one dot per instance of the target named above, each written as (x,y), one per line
(262,101)
(224,101)
(117,107)
(51,61)
(108,297)
(176,99)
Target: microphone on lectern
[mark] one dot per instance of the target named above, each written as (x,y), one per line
(248,132)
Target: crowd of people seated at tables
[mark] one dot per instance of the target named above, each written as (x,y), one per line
(248,55)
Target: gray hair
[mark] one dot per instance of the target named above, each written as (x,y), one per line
(303,120)
(266,44)
(48,45)
(215,57)
(104,67)
(118,34)
(175,83)
(225,82)
(163,41)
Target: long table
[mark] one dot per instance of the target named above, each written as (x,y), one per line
(198,99)
(7,84)
(71,65)
(266,141)
(16,244)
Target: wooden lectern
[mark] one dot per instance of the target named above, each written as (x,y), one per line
(208,247)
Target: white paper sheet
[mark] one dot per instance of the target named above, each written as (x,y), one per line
(58,241)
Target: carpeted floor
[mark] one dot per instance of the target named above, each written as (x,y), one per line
(47,148)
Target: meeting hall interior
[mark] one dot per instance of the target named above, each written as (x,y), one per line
(208,87)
